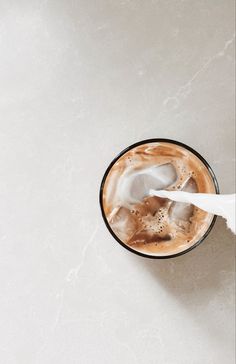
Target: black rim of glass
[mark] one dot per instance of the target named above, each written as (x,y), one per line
(156,140)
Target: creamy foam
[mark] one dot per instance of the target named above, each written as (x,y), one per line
(150,224)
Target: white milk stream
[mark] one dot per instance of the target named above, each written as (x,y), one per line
(222,205)
(133,186)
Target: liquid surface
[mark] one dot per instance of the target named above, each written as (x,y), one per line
(149,224)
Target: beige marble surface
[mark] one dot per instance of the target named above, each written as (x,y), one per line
(80,80)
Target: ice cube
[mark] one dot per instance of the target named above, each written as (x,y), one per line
(183,211)
(190,186)
(123,223)
(156,177)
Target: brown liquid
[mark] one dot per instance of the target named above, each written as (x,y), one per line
(154,225)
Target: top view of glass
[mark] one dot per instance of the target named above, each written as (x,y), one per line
(148,225)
